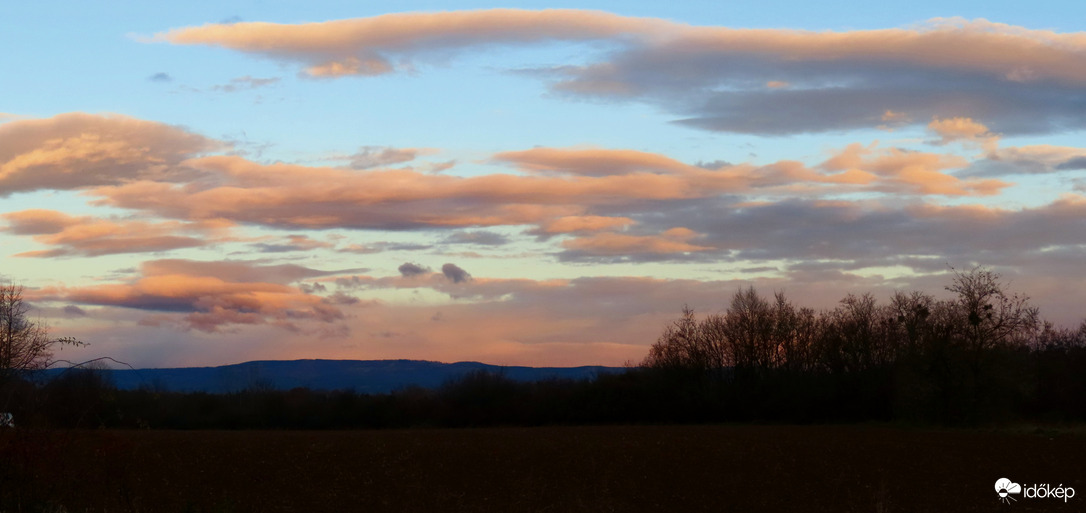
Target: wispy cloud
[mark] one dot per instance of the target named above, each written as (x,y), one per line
(380,156)
(244,83)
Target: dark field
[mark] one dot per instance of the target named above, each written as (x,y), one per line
(597,469)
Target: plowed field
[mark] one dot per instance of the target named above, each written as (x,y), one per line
(559,469)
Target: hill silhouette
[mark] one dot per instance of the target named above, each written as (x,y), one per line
(361,376)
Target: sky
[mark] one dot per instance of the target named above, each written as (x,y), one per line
(526,183)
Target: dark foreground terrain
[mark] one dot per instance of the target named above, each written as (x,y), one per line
(597,469)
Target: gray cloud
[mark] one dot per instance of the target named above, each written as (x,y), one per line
(408,269)
(455,273)
(161,76)
(340,298)
(726,92)
(291,243)
(856,235)
(74,311)
(351,283)
(713,164)
(276,248)
(1072,164)
(480,237)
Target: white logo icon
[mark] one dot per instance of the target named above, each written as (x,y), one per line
(1004,487)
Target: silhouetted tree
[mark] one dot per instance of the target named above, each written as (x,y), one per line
(793,333)
(689,344)
(911,320)
(749,328)
(993,317)
(24,344)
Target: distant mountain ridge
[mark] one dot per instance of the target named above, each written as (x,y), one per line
(362,376)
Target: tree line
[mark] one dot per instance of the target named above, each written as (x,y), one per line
(983,355)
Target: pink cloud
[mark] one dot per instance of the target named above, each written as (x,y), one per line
(592,162)
(582,224)
(912,171)
(89,236)
(674,240)
(210,296)
(372,46)
(76,150)
(368,45)
(966,130)
(314,197)
(300,196)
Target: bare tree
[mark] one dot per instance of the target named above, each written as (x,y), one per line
(752,337)
(689,344)
(25,344)
(992,316)
(749,324)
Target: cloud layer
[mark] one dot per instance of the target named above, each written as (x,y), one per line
(602,204)
(761,81)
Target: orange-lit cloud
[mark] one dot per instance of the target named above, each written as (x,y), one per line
(582,224)
(373,46)
(209,296)
(75,150)
(964,129)
(919,172)
(88,236)
(604,204)
(674,240)
(592,162)
(369,45)
(591,193)
(301,196)
(141,166)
